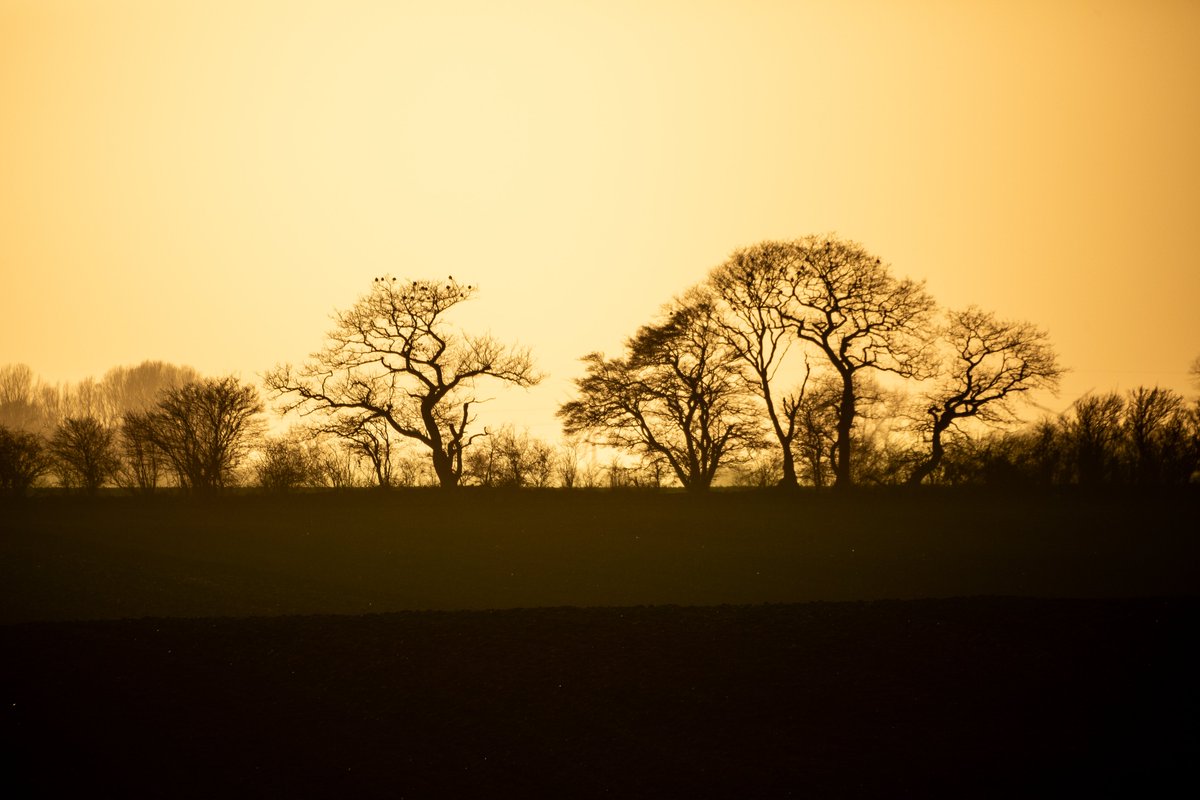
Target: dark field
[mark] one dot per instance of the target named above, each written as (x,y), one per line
(1059,660)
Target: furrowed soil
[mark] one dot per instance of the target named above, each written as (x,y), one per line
(586,644)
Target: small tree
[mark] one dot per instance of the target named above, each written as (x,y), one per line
(678,395)
(205,429)
(23,459)
(84,453)
(393,357)
(285,464)
(368,439)
(989,363)
(141,459)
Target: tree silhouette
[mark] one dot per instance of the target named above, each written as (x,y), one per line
(23,459)
(205,428)
(678,395)
(1094,430)
(751,288)
(989,363)
(392,356)
(1160,436)
(85,453)
(843,301)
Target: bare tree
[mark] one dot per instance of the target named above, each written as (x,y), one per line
(285,463)
(843,301)
(368,439)
(136,389)
(23,459)
(205,429)
(1161,437)
(511,458)
(990,362)
(1094,431)
(678,395)
(392,356)
(574,467)
(20,396)
(751,287)
(815,443)
(142,461)
(85,453)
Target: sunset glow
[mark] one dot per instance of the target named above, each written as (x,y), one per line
(206,182)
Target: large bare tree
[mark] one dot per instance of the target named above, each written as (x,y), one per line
(845,303)
(750,286)
(678,395)
(989,363)
(392,356)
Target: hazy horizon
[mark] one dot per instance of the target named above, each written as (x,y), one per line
(205,183)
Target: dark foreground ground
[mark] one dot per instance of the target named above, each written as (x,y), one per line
(983,697)
(653,646)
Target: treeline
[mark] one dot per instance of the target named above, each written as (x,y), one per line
(803,362)
(159,425)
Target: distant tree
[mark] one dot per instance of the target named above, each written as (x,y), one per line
(678,395)
(285,463)
(815,443)
(23,459)
(142,462)
(1094,431)
(844,302)
(882,434)
(20,409)
(205,429)
(368,439)
(85,453)
(575,467)
(392,357)
(511,458)
(989,362)
(1161,437)
(135,389)
(763,470)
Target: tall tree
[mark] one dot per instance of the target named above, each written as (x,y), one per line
(393,357)
(678,395)
(750,286)
(844,302)
(989,363)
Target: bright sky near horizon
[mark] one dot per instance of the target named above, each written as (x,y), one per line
(206,182)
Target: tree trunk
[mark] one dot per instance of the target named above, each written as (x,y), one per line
(843,479)
(936,451)
(788,481)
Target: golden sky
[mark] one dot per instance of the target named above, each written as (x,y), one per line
(205,182)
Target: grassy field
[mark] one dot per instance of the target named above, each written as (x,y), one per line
(69,559)
(877,644)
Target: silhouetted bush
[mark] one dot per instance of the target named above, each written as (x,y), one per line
(23,459)
(84,453)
